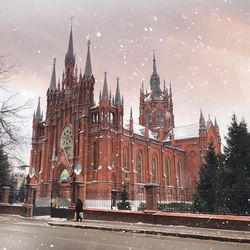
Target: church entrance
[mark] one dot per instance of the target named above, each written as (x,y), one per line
(60,195)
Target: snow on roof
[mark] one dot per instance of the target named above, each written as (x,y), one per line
(140,130)
(148,97)
(184,132)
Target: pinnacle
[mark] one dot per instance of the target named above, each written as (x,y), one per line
(117,94)
(88,67)
(105,95)
(52,85)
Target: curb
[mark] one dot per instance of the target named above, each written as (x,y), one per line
(151,232)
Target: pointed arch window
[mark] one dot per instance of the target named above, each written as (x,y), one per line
(167,171)
(179,173)
(149,118)
(95,155)
(159,118)
(125,158)
(139,166)
(154,168)
(64,175)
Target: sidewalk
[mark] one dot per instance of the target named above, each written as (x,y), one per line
(176,231)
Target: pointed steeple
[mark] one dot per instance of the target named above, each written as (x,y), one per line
(70,57)
(202,120)
(155,79)
(105,95)
(88,67)
(154,64)
(117,94)
(38,115)
(131,113)
(52,85)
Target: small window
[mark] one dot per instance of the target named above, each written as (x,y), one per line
(154,168)
(179,172)
(139,167)
(149,118)
(64,175)
(125,158)
(95,156)
(159,118)
(167,171)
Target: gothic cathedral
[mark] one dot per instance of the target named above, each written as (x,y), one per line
(88,144)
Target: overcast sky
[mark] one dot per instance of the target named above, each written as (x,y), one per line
(202,47)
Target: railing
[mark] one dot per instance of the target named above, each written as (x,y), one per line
(107,195)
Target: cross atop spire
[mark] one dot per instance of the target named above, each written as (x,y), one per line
(88,67)
(52,85)
(117,94)
(105,95)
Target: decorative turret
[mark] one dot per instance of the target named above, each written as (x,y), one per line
(70,57)
(118,101)
(52,85)
(88,67)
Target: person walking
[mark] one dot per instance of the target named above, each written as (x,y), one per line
(79,210)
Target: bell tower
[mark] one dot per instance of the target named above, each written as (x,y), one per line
(156,106)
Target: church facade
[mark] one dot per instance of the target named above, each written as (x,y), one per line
(88,144)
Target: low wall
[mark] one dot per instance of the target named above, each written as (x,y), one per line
(183,219)
(177,219)
(6,208)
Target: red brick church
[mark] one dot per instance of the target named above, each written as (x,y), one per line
(85,145)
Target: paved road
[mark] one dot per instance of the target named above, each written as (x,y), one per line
(22,234)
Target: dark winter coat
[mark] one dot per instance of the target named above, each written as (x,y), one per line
(79,206)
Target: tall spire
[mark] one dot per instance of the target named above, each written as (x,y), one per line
(52,85)
(202,120)
(117,94)
(154,63)
(38,110)
(131,113)
(70,57)
(88,67)
(105,95)
(155,79)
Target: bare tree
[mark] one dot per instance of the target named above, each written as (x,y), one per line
(6,70)
(11,114)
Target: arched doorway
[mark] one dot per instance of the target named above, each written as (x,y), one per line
(60,192)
